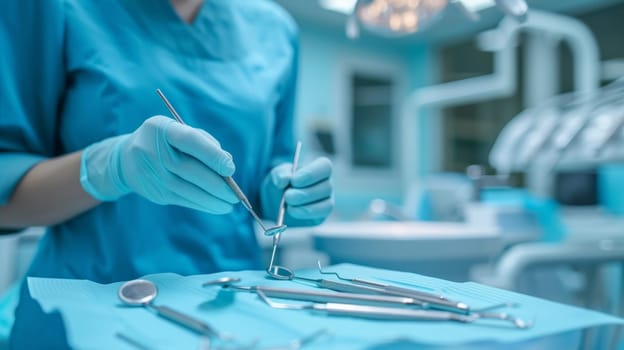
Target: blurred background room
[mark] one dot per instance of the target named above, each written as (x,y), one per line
(472,140)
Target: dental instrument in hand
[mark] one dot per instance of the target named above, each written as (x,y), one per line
(437,301)
(275,271)
(143,292)
(229,180)
(392,313)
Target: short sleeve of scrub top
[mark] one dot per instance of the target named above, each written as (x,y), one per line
(74,72)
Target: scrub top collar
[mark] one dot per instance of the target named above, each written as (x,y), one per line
(213,34)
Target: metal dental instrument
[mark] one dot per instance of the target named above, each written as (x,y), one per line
(435,300)
(229,180)
(275,271)
(353,288)
(429,300)
(391,313)
(321,296)
(143,292)
(280,272)
(358,299)
(282,205)
(221,281)
(378,285)
(422,299)
(359,290)
(425,301)
(349,293)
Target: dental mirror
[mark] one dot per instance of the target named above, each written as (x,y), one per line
(142,292)
(137,292)
(280,272)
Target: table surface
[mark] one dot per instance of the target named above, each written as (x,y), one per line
(93,315)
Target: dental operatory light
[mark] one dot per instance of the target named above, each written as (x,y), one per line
(396,17)
(401,17)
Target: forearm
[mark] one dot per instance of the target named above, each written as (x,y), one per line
(48,194)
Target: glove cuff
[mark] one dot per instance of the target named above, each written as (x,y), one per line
(100,170)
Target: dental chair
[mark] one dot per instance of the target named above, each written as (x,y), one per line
(581,265)
(586,273)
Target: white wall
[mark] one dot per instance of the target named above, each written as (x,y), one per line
(326,55)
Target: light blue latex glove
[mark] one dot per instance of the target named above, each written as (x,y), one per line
(163,161)
(309,198)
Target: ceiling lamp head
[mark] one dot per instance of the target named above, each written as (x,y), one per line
(402,17)
(397,17)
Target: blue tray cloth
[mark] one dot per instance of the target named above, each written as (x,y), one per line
(93,315)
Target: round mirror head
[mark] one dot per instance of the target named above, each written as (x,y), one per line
(221,281)
(280,272)
(137,292)
(272,231)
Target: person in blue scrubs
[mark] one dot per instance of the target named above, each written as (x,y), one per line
(87,147)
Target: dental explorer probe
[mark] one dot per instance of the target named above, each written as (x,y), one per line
(228,179)
(275,271)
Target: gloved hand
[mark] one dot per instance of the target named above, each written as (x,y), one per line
(309,197)
(163,161)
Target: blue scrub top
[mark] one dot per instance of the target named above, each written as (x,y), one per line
(74,72)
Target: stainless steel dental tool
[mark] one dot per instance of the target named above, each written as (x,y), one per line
(350,293)
(437,301)
(229,180)
(275,271)
(143,292)
(421,301)
(392,313)
(315,295)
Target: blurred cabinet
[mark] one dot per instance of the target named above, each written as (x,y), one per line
(469,131)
